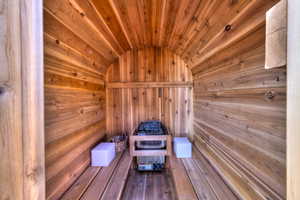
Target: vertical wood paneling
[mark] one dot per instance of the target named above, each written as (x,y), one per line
(11,144)
(140,104)
(21,101)
(239,118)
(33,99)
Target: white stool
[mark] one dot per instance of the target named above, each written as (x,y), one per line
(103,154)
(182,147)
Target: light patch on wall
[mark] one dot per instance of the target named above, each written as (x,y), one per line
(276,36)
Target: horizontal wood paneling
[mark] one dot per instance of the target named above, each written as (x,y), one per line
(75,66)
(127,106)
(149,85)
(239,118)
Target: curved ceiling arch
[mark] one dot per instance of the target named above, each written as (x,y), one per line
(193,29)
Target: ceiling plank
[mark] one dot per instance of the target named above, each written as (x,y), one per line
(198,25)
(250,19)
(78,24)
(62,34)
(109,17)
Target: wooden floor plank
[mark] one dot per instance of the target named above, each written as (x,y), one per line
(163,187)
(97,187)
(135,186)
(82,183)
(149,186)
(183,186)
(115,187)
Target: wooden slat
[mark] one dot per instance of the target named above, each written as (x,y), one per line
(72,18)
(109,17)
(98,185)
(33,99)
(54,28)
(81,184)
(117,182)
(206,181)
(183,186)
(58,184)
(149,85)
(149,186)
(199,182)
(218,185)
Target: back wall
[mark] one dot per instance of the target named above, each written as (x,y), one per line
(149,84)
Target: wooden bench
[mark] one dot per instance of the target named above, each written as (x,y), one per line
(195,178)
(183,186)
(101,182)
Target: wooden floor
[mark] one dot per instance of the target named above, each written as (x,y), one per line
(186,179)
(149,186)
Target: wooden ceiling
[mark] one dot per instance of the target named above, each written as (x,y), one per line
(193,29)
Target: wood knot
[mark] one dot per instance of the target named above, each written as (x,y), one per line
(227,28)
(57,41)
(2,90)
(270,95)
(194,19)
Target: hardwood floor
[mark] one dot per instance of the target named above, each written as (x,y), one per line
(149,186)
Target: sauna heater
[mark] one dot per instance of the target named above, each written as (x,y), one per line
(150,163)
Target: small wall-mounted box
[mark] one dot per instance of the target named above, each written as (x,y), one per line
(103,154)
(182,147)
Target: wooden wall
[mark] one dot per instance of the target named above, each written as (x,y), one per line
(240,116)
(74,94)
(22,173)
(151,83)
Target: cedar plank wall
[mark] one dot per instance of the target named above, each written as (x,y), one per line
(127,107)
(239,117)
(75,64)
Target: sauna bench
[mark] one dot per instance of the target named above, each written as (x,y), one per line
(193,178)
(101,182)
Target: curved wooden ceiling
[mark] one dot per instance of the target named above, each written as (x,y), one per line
(193,29)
